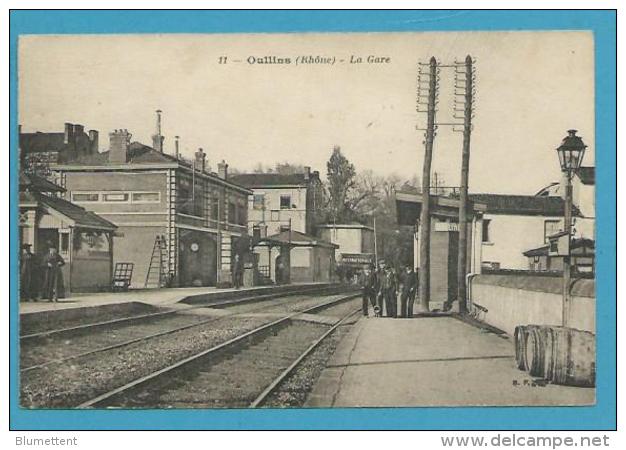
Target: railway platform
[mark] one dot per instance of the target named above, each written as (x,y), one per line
(164,297)
(431,361)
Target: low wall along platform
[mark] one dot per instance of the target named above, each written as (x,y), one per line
(506,301)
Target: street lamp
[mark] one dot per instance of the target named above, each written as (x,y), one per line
(571,152)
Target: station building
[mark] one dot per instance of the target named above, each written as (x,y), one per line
(83,239)
(444,239)
(170,212)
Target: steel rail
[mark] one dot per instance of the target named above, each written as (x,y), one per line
(236,340)
(289,370)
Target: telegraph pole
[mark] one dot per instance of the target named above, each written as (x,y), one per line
(424,269)
(468,86)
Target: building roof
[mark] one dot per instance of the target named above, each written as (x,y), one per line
(297,239)
(42,142)
(79,216)
(587,175)
(252,180)
(138,154)
(351,225)
(577,243)
(523,205)
(36,183)
(409,206)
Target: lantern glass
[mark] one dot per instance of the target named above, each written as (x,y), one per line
(571,153)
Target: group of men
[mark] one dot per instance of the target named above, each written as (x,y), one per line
(40,277)
(381,287)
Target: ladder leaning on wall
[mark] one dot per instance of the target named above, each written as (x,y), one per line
(157,269)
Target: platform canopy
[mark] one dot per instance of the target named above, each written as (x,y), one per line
(293,238)
(409,207)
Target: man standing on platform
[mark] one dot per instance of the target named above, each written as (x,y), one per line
(52,264)
(28,289)
(237,271)
(407,293)
(389,289)
(414,293)
(369,284)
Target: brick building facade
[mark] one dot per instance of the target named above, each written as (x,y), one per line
(199,216)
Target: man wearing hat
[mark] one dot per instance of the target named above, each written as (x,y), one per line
(407,292)
(388,288)
(27,274)
(52,264)
(369,284)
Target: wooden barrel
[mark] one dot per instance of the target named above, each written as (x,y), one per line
(548,354)
(535,350)
(573,359)
(520,347)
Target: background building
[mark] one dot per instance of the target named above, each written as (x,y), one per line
(355,243)
(513,224)
(281,201)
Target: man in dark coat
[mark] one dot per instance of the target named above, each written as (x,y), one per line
(407,292)
(52,264)
(28,290)
(414,293)
(389,290)
(237,272)
(369,284)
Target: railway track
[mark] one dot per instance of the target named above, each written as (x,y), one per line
(178,320)
(137,318)
(241,372)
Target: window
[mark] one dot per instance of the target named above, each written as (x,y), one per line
(550,227)
(486,224)
(215,208)
(275,216)
(258,201)
(232,213)
(285,201)
(241,215)
(79,197)
(115,197)
(146,197)
(65,242)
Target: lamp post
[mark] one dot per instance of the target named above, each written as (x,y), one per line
(570,152)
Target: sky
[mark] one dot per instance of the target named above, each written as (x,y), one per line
(531,88)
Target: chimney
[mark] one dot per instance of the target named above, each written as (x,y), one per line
(200,160)
(176,138)
(222,170)
(93,141)
(78,130)
(158,138)
(118,147)
(69,133)
(307,173)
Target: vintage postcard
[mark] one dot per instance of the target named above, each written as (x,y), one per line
(307,220)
